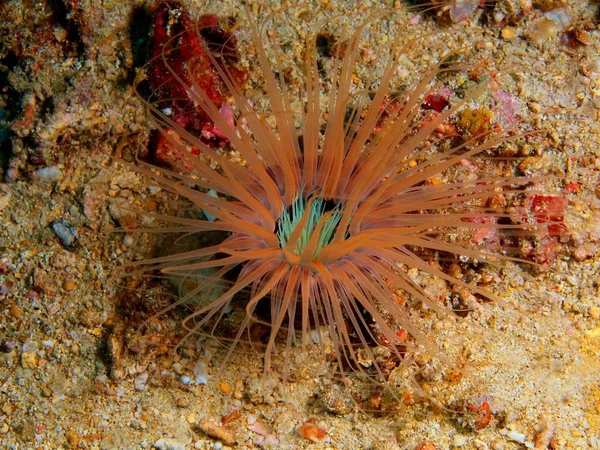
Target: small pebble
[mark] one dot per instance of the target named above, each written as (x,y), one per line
(30,346)
(216,432)
(498,16)
(585,251)
(238,393)
(459,440)
(224,387)
(438,325)
(594,312)
(480,445)
(140,381)
(72,438)
(168,444)
(65,232)
(200,373)
(462,9)
(310,431)
(6,286)
(49,174)
(127,240)
(29,360)
(69,285)
(15,312)
(7,346)
(508,33)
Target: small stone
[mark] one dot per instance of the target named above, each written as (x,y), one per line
(335,400)
(60,34)
(69,285)
(7,346)
(6,285)
(29,360)
(168,444)
(15,312)
(49,174)
(140,382)
(310,431)
(216,432)
(238,393)
(585,251)
(65,233)
(200,373)
(191,418)
(224,387)
(459,440)
(438,325)
(138,425)
(72,438)
(127,240)
(462,10)
(594,312)
(508,33)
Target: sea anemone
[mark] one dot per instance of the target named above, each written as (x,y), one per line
(325,201)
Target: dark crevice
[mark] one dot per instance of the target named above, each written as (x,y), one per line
(47,107)
(326,43)
(10,106)
(63,16)
(139,32)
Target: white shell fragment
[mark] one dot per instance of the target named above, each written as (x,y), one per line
(560,17)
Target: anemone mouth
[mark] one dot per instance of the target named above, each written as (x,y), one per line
(308,225)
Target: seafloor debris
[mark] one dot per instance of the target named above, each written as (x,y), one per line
(65,232)
(215,431)
(168,444)
(309,430)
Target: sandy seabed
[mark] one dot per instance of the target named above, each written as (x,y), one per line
(76,370)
